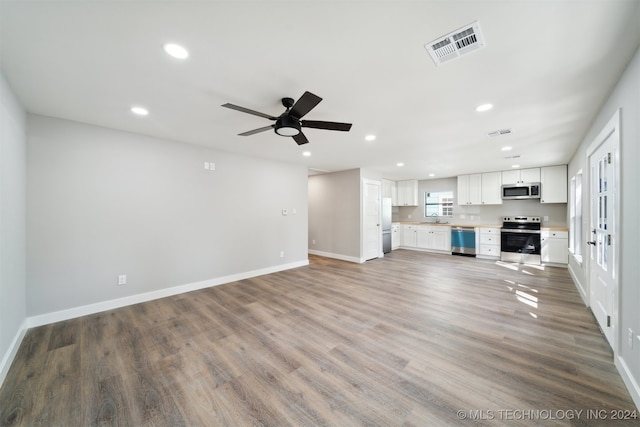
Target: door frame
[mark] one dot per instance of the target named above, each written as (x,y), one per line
(611,129)
(363,238)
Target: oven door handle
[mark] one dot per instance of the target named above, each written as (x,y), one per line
(507,230)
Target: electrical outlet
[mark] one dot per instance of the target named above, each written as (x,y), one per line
(313,242)
(206,165)
(409,216)
(630,337)
(281,254)
(212,166)
(122,279)
(546,218)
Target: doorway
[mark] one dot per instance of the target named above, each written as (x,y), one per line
(602,161)
(372,232)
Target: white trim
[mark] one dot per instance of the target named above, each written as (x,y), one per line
(57,316)
(337,256)
(628,379)
(577,258)
(612,125)
(7,360)
(612,128)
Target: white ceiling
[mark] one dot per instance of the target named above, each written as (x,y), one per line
(547,67)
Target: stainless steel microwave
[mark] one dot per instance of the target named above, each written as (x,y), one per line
(521,191)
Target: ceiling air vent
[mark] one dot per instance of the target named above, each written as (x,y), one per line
(499,132)
(455,44)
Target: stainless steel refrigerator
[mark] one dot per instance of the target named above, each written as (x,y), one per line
(386,225)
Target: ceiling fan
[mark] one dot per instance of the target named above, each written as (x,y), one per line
(289,123)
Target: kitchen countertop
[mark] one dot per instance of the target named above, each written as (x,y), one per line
(448,225)
(473,225)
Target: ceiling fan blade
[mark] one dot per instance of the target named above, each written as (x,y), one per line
(300,139)
(251,132)
(248,111)
(316,124)
(305,104)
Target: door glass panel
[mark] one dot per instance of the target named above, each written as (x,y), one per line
(602,220)
(605,216)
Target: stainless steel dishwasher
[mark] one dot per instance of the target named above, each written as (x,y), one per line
(463,241)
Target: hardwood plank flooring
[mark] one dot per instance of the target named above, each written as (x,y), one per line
(407,340)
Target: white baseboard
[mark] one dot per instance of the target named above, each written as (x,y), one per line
(629,380)
(57,316)
(579,286)
(47,318)
(13,350)
(337,256)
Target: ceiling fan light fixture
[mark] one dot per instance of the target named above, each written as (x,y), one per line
(287,126)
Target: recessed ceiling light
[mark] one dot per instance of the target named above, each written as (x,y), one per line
(399,164)
(370,138)
(515,166)
(175,50)
(484,107)
(141,111)
(306,153)
(432,174)
(506,148)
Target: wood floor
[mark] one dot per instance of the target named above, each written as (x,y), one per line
(413,339)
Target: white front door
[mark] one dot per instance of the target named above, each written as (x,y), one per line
(372,233)
(603,275)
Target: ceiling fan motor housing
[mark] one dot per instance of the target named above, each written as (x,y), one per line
(287,126)
(288,102)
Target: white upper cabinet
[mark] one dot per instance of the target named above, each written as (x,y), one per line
(389,190)
(480,189)
(521,176)
(407,192)
(553,180)
(469,189)
(491,192)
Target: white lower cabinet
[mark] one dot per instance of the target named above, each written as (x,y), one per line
(488,242)
(554,246)
(435,238)
(396,236)
(409,236)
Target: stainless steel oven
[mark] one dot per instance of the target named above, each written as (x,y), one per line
(520,239)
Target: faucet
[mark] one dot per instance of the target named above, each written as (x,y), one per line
(437,218)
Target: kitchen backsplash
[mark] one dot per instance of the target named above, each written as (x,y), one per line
(555,213)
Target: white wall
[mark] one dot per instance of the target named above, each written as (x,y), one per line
(626,97)
(334,215)
(483,214)
(103,203)
(12,226)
